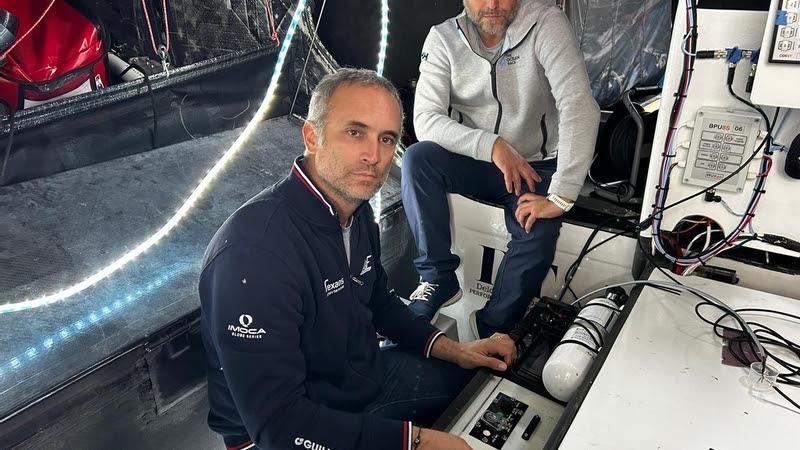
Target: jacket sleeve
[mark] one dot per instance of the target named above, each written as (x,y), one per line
(432,102)
(255,314)
(578,113)
(391,316)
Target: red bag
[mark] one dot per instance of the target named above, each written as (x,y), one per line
(62,54)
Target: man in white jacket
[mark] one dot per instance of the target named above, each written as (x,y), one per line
(504,114)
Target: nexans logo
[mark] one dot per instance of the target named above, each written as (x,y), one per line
(244,331)
(305,443)
(332,287)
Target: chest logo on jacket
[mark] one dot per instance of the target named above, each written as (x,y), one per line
(510,60)
(367,265)
(243,330)
(333,287)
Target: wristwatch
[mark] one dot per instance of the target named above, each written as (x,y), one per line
(566,205)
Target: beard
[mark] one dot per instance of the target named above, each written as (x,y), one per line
(488,26)
(351,193)
(338,178)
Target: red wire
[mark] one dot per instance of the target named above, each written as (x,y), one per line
(150,28)
(268,8)
(35,24)
(767,170)
(166,23)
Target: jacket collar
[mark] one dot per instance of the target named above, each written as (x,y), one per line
(527,16)
(309,201)
(305,180)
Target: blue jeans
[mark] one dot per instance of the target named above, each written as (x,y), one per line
(415,388)
(429,173)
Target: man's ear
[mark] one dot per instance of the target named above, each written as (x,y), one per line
(310,137)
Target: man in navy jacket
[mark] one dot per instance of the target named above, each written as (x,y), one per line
(293,293)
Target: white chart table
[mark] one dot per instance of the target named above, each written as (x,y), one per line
(663,385)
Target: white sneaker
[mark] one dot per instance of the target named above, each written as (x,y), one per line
(429,298)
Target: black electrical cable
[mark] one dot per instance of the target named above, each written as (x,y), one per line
(572,270)
(582,344)
(766,336)
(729,176)
(569,275)
(782,378)
(146,80)
(786,397)
(655,264)
(758,188)
(769,311)
(574,294)
(690,58)
(688,68)
(595,326)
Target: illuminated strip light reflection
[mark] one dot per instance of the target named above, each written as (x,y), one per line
(189,203)
(84,324)
(381,61)
(384,36)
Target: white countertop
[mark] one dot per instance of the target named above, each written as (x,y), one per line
(663,385)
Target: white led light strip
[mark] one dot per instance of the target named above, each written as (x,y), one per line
(384,36)
(381,60)
(189,203)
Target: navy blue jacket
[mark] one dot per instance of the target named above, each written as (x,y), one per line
(289,325)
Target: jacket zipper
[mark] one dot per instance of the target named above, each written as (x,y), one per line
(493,73)
(494,93)
(543,124)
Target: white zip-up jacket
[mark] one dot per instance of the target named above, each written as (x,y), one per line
(536,95)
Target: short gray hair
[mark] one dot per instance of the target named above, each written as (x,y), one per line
(319,106)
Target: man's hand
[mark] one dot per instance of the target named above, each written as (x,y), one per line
(531,207)
(484,353)
(514,167)
(480,353)
(437,440)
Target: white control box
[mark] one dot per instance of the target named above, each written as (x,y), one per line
(786,36)
(722,141)
(779,65)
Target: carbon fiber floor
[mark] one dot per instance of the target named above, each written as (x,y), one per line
(58,230)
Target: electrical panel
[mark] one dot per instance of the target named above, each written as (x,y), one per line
(501,414)
(722,141)
(496,423)
(786,35)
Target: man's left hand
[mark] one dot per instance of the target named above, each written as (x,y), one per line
(496,352)
(531,207)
